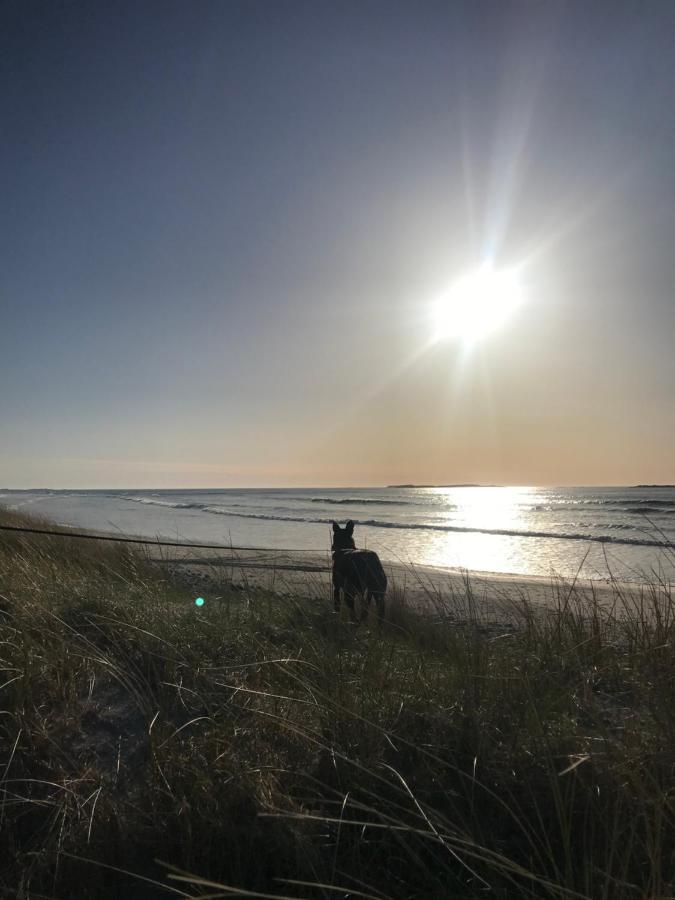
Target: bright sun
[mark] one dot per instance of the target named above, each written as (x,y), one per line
(477,304)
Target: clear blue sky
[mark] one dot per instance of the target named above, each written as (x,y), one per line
(223,226)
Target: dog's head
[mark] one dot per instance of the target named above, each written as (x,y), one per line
(342,537)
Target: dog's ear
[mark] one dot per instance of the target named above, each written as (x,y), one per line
(349,527)
(336,527)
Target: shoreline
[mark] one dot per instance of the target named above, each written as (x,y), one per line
(424,589)
(542,547)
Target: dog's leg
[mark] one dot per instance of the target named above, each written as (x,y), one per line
(365,605)
(379,602)
(336,598)
(349,600)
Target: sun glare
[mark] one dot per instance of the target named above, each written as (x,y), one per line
(477,304)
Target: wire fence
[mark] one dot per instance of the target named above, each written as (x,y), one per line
(155,541)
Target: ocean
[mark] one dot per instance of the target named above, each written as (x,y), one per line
(628,533)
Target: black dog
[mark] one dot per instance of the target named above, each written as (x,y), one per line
(356,572)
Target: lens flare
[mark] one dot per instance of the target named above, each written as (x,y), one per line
(199,601)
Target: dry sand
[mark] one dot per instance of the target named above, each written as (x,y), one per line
(427,589)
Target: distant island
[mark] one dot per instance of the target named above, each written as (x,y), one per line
(440,485)
(655,485)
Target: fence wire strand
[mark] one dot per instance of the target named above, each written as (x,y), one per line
(155,541)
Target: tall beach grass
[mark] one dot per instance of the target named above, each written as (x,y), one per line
(261,746)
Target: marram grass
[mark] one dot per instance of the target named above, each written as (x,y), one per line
(261,747)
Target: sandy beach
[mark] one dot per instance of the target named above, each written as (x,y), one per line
(494,597)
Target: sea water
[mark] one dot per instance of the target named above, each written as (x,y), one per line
(627,533)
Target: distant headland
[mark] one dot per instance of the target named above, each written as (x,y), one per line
(655,485)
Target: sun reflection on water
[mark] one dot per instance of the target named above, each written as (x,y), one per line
(487,509)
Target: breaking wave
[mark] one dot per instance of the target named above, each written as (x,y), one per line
(663,510)
(623,502)
(150,502)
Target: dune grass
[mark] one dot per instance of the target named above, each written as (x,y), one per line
(261,746)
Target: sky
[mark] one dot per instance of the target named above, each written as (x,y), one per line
(225,228)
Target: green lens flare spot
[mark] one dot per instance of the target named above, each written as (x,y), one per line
(199,601)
